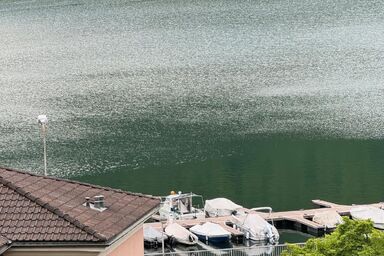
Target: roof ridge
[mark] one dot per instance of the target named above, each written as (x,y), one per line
(56,211)
(82,183)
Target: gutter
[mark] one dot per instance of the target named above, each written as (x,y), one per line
(5,247)
(59,244)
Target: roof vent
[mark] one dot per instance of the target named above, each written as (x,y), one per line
(99,202)
(96,204)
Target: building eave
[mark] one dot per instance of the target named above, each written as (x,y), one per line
(41,248)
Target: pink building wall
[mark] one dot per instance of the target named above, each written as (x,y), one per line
(133,246)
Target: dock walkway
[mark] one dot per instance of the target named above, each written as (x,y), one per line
(299,219)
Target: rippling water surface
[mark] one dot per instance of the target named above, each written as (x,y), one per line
(265,102)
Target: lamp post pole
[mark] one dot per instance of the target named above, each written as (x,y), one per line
(43,121)
(162,237)
(45,149)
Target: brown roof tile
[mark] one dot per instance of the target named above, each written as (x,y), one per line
(38,208)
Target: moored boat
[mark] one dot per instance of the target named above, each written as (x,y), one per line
(182,206)
(255,227)
(329,219)
(153,237)
(372,213)
(220,207)
(211,233)
(181,234)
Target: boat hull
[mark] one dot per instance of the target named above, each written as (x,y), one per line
(379,225)
(185,242)
(375,225)
(256,228)
(211,233)
(376,215)
(213,239)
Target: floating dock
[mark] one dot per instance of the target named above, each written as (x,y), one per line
(300,220)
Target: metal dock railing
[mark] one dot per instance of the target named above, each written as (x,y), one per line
(268,250)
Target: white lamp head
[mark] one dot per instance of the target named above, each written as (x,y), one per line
(42,119)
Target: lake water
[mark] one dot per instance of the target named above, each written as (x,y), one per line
(264,102)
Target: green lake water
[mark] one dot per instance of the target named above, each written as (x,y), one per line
(278,172)
(264,102)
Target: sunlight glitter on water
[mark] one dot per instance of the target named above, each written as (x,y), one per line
(150,82)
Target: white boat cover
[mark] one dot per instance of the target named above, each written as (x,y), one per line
(210,229)
(153,235)
(375,214)
(330,219)
(181,234)
(220,207)
(258,228)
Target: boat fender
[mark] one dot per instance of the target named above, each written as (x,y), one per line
(247,235)
(267,236)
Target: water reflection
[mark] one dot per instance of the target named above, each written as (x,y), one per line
(196,95)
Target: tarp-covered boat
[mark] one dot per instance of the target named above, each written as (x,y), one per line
(181,234)
(220,207)
(372,213)
(153,237)
(211,232)
(329,219)
(256,228)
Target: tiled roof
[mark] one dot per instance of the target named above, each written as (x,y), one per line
(36,208)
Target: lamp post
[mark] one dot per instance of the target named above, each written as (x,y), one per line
(42,120)
(162,237)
